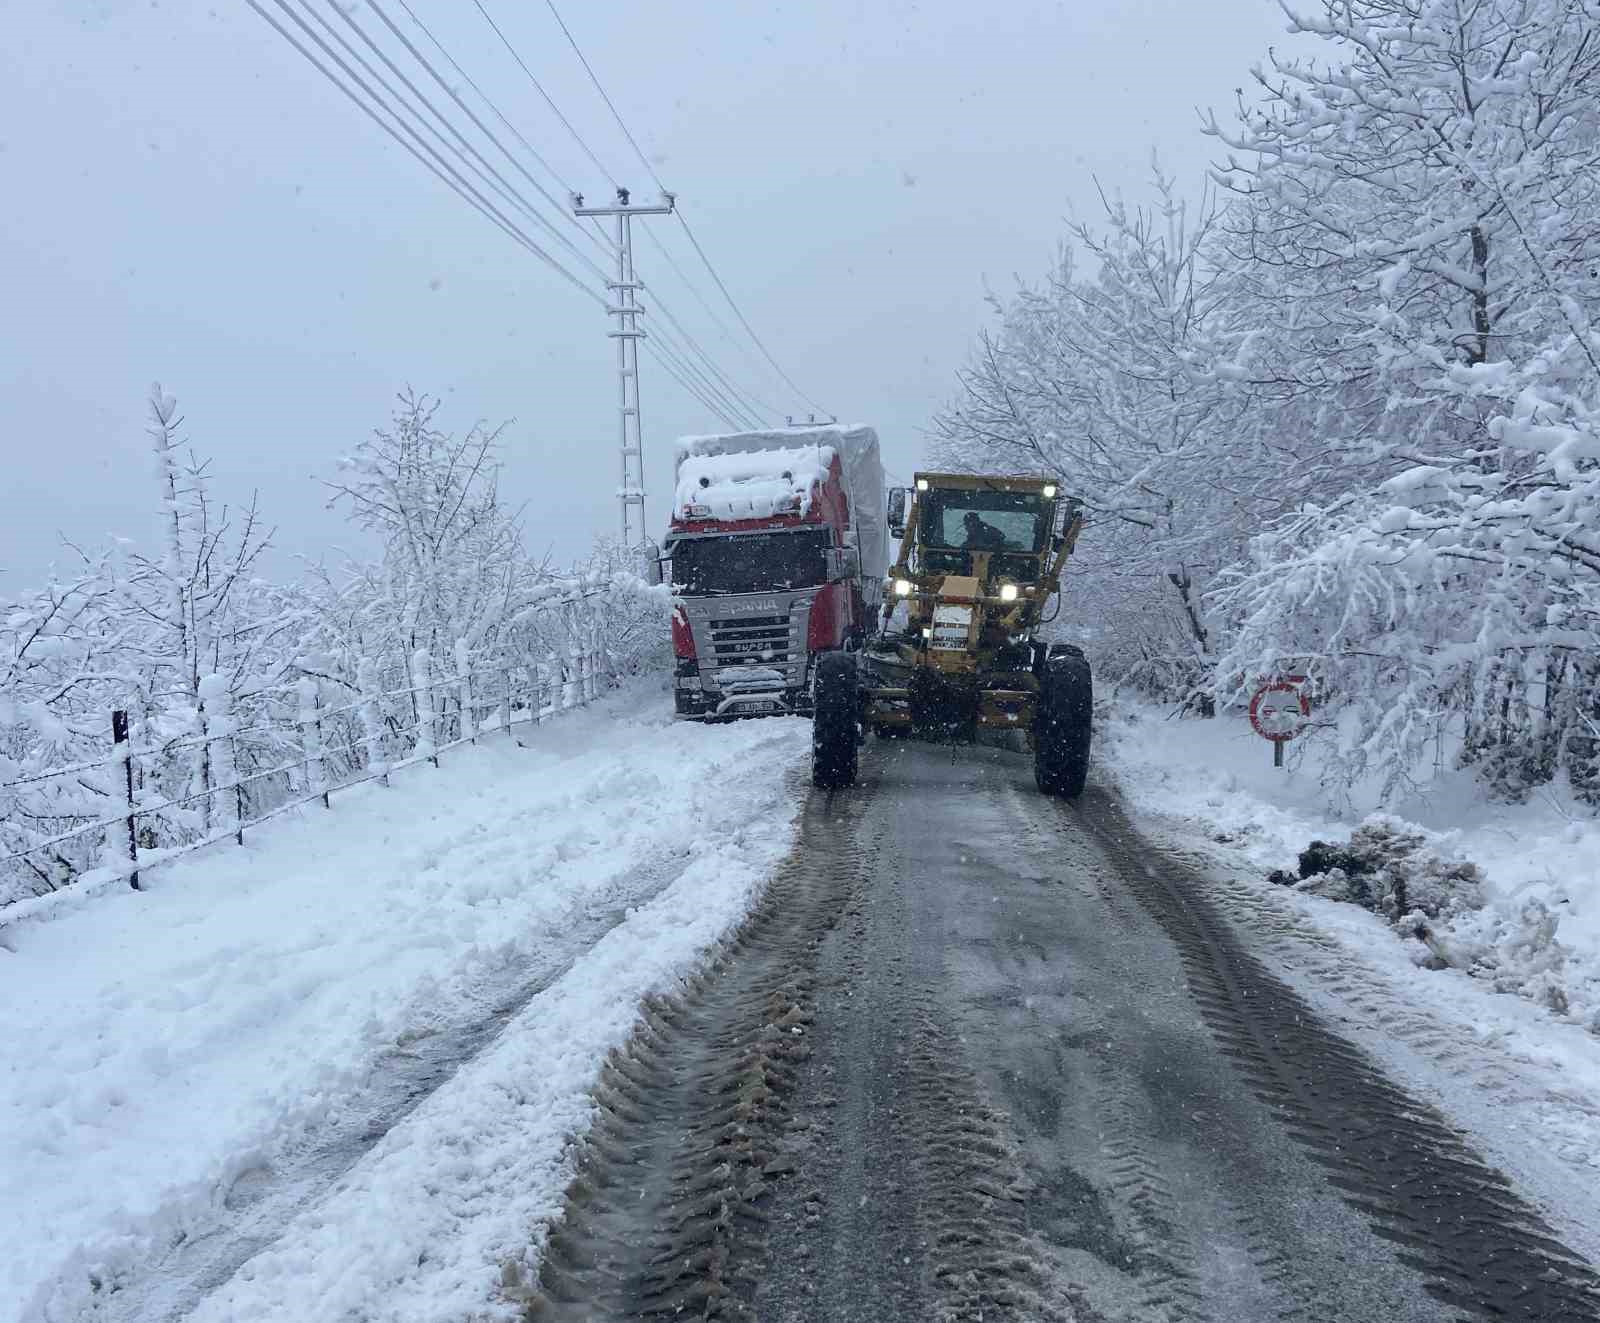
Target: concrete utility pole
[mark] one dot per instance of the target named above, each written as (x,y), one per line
(627,311)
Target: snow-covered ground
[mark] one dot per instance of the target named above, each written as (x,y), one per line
(245,1043)
(1521,1077)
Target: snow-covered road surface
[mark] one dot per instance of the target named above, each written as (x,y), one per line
(334,1074)
(987,1055)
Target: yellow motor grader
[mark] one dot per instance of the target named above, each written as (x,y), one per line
(958,651)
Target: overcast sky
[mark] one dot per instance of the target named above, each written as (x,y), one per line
(186,200)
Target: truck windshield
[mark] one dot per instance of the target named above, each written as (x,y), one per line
(749,562)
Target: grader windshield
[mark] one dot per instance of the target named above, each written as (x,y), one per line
(985,520)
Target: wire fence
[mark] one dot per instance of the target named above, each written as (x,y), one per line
(162,799)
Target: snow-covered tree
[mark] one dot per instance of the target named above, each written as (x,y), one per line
(1419,215)
(1123,384)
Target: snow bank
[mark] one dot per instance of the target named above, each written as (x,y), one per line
(1532,922)
(161,1048)
(1520,1079)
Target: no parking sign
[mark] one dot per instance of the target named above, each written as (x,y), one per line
(1279,710)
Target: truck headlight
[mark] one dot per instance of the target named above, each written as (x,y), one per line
(1008,592)
(922,484)
(902,587)
(1049,491)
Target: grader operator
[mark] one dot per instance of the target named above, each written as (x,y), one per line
(958,650)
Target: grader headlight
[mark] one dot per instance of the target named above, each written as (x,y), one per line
(1049,491)
(902,587)
(1008,592)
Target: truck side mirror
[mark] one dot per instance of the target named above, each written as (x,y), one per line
(897,511)
(659,570)
(842,563)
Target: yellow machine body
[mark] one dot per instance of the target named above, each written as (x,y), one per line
(980,559)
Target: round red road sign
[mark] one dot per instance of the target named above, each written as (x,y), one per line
(1279,710)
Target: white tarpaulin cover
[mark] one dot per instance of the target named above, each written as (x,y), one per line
(744,472)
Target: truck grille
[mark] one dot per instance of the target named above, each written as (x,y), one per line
(760,639)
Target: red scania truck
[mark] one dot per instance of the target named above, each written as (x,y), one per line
(777,551)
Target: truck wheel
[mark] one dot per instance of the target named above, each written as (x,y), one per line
(834,725)
(1061,725)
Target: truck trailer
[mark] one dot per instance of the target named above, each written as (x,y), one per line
(776,551)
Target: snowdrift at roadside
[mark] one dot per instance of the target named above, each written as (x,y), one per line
(163,1047)
(1525,916)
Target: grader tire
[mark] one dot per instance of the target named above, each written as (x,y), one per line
(834,724)
(1061,726)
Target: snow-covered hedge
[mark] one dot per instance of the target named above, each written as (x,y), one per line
(242,694)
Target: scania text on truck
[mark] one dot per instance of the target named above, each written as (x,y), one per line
(776,551)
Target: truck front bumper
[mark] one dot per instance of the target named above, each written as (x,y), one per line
(744,693)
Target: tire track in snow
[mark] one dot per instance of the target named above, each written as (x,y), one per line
(1481,1246)
(663,1218)
(264,1199)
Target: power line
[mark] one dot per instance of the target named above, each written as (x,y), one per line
(505,151)
(443,170)
(660,301)
(571,41)
(468,79)
(474,159)
(680,371)
(645,161)
(744,321)
(719,387)
(751,402)
(504,41)
(694,289)
(709,385)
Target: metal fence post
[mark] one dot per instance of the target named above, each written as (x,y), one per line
(505,703)
(124,755)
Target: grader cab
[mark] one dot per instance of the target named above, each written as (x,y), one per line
(958,652)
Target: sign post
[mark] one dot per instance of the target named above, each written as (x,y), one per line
(1279,710)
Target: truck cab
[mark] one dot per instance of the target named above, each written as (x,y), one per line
(764,555)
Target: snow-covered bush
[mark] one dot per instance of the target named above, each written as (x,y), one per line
(243,694)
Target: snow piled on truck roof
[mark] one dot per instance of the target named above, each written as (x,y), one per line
(857,448)
(749,484)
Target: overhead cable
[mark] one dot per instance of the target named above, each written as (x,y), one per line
(593,78)
(682,220)
(743,320)
(473,158)
(539,87)
(468,79)
(455,96)
(438,166)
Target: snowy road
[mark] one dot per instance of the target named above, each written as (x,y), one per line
(986,1055)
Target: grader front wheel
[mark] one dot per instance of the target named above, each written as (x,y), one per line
(835,723)
(1061,725)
